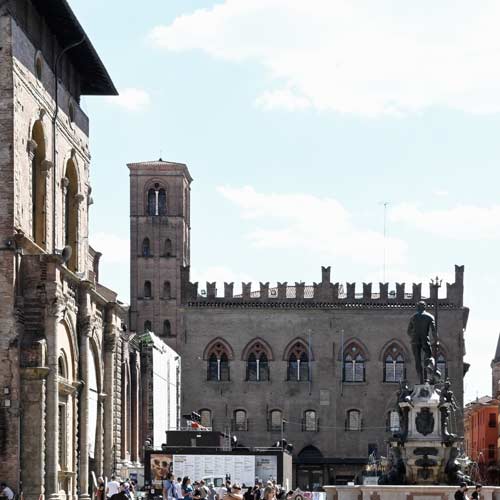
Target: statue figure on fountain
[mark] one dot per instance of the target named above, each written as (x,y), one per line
(424,339)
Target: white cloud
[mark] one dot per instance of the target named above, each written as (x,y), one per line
(316,225)
(463,222)
(114,248)
(363,57)
(281,99)
(131,99)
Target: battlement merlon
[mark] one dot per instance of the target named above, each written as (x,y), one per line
(328,293)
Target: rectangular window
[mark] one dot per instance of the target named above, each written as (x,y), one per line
(491,451)
(62,436)
(492,422)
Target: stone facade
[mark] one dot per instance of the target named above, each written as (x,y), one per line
(61,331)
(316,364)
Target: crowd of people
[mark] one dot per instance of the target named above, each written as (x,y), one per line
(461,493)
(114,489)
(185,489)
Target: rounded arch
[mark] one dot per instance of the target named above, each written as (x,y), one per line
(99,369)
(297,346)
(309,452)
(257,345)
(389,345)
(357,344)
(218,346)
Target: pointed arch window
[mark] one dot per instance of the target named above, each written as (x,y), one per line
(353,420)
(162,202)
(167,329)
(298,363)
(147,289)
(257,364)
(353,364)
(147,326)
(218,364)
(394,364)
(146,247)
(167,290)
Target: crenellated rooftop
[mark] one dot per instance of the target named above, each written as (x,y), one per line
(325,294)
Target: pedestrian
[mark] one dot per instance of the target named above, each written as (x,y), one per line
(212,492)
(100,489)
(187,489)
(113,487)
(196,491)
(178,488)
(248,495)
(460,493)
(234,493)
(6,491)
(221,493)
(476,494)
(168,488)
(203,490)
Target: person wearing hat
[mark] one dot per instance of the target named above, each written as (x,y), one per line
(234,493)
(460,493)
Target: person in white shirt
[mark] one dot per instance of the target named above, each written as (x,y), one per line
(6,491)
(113,487)
(178,488)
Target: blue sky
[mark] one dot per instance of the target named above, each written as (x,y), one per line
(297,119)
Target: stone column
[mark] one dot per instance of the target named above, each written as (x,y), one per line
(98,453)
(110,339)
(134,445)
(83,406)
(33,443)
(52,318)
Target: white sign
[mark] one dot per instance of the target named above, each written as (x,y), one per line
(240,468)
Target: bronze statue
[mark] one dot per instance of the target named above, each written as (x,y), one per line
(420,330)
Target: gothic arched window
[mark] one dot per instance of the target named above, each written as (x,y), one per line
(353,420)
(151,202)
(146,247)
(298,363)
(167,292)
(147,326)
(218,363)
(257,364)
(393,421)
(353,364)
(167,329)
(394,364)
(162,202)
(147,289)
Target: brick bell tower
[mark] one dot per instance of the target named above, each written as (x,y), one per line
(159,246)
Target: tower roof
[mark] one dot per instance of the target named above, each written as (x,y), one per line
(496,359)
(161,167)
(67,29)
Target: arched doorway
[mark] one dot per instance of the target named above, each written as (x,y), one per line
(311,471)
